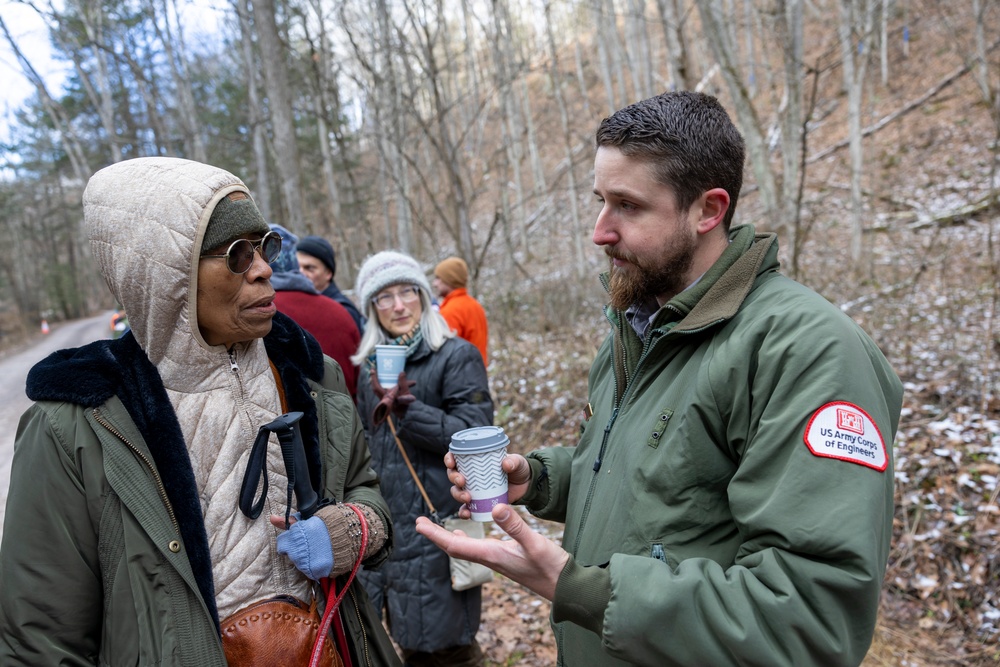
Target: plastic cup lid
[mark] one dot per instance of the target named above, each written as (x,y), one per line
(478,439)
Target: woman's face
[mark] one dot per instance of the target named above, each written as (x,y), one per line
(399,309)
(233,308)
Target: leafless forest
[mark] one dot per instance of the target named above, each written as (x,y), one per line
(441,127)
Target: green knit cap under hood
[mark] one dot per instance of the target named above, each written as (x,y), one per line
(234,216)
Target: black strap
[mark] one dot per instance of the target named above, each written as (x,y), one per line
(296,469)
(256,469)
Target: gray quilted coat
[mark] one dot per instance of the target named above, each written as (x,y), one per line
(452,393)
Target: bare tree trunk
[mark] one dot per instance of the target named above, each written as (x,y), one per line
(280,103)
(618,57)
(748,12)
(603,55)
(555,77)
(581,78)
(319,68)
(439,132)
(855,19)
(258,131)
(884,39)
(725,53)
(194,143)
(510,168)
(638,50)
(673,36)
(99,93)
(471,66)
(55,112)
(148,90)
(537,170)
(788,29)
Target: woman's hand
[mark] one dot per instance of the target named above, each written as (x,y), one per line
(307,544)
(396,399)
(518,478)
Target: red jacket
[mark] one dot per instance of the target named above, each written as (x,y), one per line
(467,318)
(329,323)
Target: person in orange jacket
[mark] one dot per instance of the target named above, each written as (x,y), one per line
(463,313)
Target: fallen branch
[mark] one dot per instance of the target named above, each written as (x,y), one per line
(872,129)
(959,216)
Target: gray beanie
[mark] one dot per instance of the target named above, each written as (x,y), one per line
(388,268)
(234,216)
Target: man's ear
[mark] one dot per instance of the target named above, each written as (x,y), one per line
(712,207)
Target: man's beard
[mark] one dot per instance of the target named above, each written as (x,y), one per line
(638,283)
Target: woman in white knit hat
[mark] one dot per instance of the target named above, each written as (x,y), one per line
(442,390)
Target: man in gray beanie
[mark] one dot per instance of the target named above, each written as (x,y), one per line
(317,262)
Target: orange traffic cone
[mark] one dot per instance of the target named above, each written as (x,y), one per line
(45,326)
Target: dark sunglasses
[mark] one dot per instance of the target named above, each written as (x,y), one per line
(239,256)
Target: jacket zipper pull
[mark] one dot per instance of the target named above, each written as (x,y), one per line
(236,372)
(604,441)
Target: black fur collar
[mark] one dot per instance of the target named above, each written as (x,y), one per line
(90,375)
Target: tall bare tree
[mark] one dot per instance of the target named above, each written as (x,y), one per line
(725,52)
(672,24)
(72,143)
(572,193)
(856,40)
(274,56)
(258,129)
(171,34)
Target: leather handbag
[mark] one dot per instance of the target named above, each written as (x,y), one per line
(286,632)
(464,574)
(277,631)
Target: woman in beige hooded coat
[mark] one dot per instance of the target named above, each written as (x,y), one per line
(123,541)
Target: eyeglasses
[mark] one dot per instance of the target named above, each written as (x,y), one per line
(386,300)
(239,256)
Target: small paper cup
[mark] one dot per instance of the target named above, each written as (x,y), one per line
(478,452)
(390,361)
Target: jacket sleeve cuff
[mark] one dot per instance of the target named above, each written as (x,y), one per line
(582,596)
(537,495)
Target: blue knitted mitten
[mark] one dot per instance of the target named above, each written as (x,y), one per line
(307,545)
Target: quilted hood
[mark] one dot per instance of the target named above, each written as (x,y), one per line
(145,219)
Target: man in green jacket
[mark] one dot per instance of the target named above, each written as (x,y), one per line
(730,500)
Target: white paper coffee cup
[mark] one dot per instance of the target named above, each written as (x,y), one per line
(390,361)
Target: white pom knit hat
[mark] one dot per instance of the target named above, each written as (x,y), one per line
(388,268)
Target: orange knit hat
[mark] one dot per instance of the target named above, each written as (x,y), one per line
(453,271)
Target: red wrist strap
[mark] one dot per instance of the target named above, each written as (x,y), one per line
(331,607)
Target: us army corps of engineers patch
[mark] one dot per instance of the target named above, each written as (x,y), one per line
(841,430)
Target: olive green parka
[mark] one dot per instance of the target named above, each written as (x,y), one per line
(706,525)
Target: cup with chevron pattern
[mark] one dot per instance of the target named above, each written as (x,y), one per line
(478,452)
